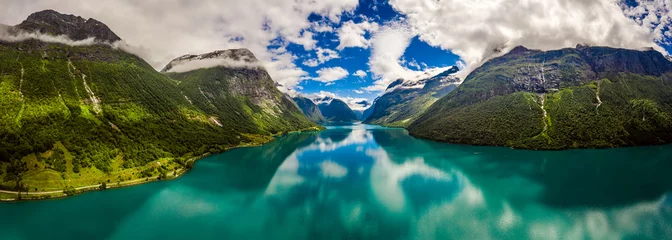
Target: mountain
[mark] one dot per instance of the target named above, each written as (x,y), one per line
(236,92)
(74,27)
(80,115)
(404,101)
(310,109)
(367,113)
(335,110)
(360,112)
(583,97)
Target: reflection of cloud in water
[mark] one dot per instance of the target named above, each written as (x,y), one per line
(498,220)
(333,170)
(432,203)
(356,136)
(387,176)
(286,177)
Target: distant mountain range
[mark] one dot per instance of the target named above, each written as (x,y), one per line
(583,97)
(404,100)
(335,110)
(310,109)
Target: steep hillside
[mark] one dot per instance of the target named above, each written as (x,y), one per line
(335,110)
(310,109)
(244,96)
(580,97)
(404,101)
(80,115)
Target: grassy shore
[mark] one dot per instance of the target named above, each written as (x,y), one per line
(43,182)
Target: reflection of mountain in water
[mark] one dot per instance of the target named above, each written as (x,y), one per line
(247,169)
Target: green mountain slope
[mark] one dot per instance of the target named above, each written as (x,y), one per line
(74,116)
(310,109)
(335,110)
(405,101)
(242,98)
(582,97)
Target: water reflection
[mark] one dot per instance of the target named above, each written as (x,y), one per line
(368,182)
(409,188)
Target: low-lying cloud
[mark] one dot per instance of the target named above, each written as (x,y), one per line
(195,64)
(171,28)
(9,35)
(478,30)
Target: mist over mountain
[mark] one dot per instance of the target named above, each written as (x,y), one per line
(404,101)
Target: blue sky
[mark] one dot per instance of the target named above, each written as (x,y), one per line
(364,44)
(353,59)
(419,55)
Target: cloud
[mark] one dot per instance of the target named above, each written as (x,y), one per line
(478,30)
(331,74)
(351,34)
(360,73)
(332,169)
(388,47)
(321,27)
(323,55)
(212,62)
(654,15)
(357,104)
(6,34)
(168,29)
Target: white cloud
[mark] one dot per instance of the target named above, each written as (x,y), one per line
(360,73)
(214,62)
(323,55)
(655,15)
(168,29)
(474,29)
(351,34)
(388,47)
(331,74)
(353,103)
(321,27)
(332,169)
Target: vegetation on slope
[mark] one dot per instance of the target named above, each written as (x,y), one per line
(401,105)
(335,110)
(570,98)
(241,99)
(75,116)
(310,109)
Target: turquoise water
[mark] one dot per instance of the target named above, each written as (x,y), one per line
(367,182)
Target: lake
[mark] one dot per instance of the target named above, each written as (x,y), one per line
(370,182)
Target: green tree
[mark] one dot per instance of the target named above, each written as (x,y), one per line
(15,172)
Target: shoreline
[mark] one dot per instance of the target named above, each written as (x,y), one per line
(56,194)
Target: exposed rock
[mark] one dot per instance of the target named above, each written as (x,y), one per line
(242,55)
(75,27)
(406,100)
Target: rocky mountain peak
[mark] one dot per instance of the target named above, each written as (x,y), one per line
(241,55)
(519,50)
(75,27)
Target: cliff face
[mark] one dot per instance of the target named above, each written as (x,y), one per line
(579,97)
(310,109)
(230,85)
(75,27)
(98,108)
(404,101)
